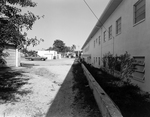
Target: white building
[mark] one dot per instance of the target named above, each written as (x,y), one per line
(49,54)
(123,26)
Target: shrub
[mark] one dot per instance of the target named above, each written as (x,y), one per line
(123,64)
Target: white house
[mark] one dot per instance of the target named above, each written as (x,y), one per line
(123,26)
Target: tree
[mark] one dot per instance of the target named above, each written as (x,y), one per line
(59,46)
(12,22)
(67,49)
(50,48)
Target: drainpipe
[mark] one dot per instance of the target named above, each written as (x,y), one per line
(113,46)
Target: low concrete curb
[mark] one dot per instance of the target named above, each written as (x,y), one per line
(106,105)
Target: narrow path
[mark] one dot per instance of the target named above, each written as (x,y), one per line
(61,106)
(75,98)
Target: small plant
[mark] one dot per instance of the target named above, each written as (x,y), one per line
(127,66)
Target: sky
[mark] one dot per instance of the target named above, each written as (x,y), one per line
(68,20)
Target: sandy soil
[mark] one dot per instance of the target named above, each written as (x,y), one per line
(49,91)
(43,85)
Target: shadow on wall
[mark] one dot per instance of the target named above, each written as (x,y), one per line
(10,83)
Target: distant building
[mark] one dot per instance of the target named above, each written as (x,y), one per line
(123,26)
(49,54)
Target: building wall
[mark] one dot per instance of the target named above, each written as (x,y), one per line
(133,38)
(48,54)
(11,57)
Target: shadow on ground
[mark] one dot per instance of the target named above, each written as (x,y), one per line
(10,82)
(74,98)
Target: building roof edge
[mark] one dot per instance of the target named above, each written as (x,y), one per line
(110,8)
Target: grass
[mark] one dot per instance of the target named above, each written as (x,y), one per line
(128,97)
(84,99)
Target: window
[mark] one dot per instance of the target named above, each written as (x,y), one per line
(105,36)
(99,40)
(110,32)
(139,11)
(99,60)
(118,26)
(96,59)
(94,43)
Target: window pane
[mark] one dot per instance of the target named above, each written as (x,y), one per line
(140,4)
(140,18)
(110,31)
(118,26)
(140,11)
(99,39)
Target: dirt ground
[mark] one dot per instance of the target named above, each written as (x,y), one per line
(48,91)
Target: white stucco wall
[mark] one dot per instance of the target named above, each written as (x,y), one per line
(48,54)
(133,38)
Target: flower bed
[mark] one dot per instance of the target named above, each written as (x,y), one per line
(129,98)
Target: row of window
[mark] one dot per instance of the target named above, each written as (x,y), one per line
(97,40)
(139,15)
(110,36)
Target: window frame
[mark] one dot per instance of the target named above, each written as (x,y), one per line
(135,21)
(104,36)
(99,61)
(118,26)
(99,40)
(110,32)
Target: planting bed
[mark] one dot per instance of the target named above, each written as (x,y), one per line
(129,98)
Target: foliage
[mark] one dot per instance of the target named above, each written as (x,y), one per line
(127,96)
(29,52)
(33,41)
(123,64)
(127,65)
(50,48)
(59,46)
(84,99)
(12,22)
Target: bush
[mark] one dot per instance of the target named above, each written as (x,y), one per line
(130,99)
(123,63)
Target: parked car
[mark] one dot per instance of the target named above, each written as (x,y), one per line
(32,58)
